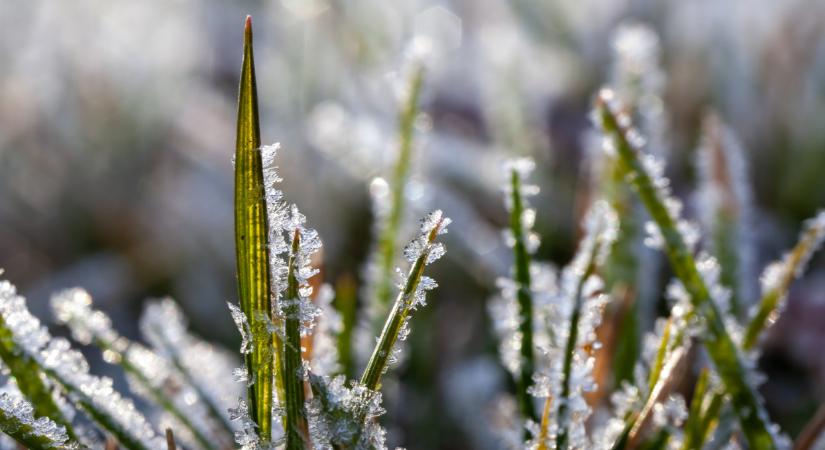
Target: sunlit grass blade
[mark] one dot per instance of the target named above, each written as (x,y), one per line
(26,373)
(421,251)
(720,346)
(18,421)
(524,297)
(778,276)
(152,374)
(297,430)
(251,245)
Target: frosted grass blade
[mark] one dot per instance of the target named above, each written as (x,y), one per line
(251,245)
(297,430)
(718,342)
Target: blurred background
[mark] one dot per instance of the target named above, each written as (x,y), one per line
(117,125)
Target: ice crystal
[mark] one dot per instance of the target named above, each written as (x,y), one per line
(243,327)
(283,222)
(671,412)
(578,302)
(344,416)
(18,414)
(206,366)
(324,337)
(69,368)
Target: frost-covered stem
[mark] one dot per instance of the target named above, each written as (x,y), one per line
(521,266)
(377,364)
(161,398)
(21,425)
(718,342)
(570,347)
(791,268)
(208,401)
(295,423)
(26,373)
(104,420)
(387,240)
(251,244)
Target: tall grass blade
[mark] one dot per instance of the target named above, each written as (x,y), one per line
(519,231)
(654,193)
(251,245)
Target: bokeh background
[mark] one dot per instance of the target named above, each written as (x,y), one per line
(117,128)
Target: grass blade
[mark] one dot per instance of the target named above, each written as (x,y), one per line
(18,421)
(778,276)
(251,245)
(421,251)
(152,373)
(26,373)
(67,368)
(297,430)
(601,225)
(718,342)
(524,297)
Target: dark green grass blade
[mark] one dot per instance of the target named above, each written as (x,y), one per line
(27,374)
(718,342)
(251,248)
(297,430)
(521,262)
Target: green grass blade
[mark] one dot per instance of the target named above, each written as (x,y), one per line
(693,427)
(524,297)
(778,277)
(718,342)
(297,429)
(252,252)
(17,421)
(407,299)
(26,373)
